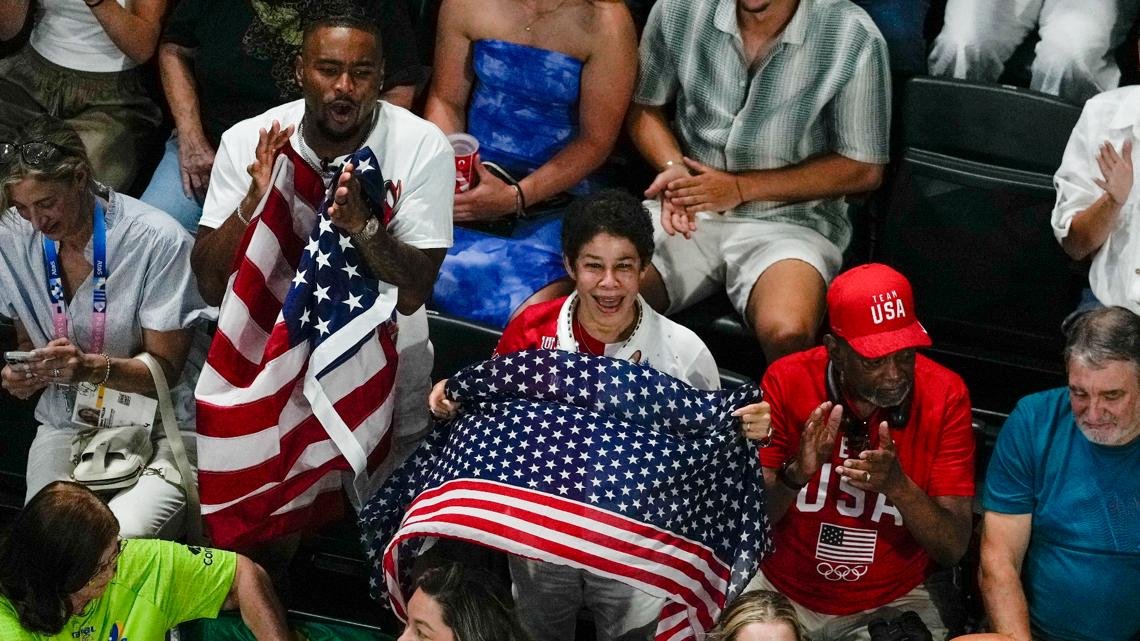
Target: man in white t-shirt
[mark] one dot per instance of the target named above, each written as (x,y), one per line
(340,71)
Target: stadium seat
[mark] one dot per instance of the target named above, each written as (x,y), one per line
(998,125)
(458,343)
(967,220)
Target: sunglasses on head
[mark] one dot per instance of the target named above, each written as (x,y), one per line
(34,153)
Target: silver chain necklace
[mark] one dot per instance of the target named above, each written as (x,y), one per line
(313,160)
(540,14)
(309,155)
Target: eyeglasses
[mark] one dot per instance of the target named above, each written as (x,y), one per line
(33,153)
(109,563)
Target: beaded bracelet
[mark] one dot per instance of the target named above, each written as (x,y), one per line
(106,370)
(243,219)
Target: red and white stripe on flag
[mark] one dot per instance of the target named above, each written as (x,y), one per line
(275,442)
(541,526)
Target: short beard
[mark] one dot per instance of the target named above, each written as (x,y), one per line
(337,138)
(1117,437)
(881,399)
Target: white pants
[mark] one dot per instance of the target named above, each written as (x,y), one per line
(548,597)
(1074,59)
(151,508)
(853,627)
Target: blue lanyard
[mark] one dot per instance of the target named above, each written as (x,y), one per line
(99,293)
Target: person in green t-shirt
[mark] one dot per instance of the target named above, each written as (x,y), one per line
(66,575)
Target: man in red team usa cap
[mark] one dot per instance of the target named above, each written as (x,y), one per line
(870,471)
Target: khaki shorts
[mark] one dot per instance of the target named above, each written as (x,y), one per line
(110,111)
(731,253)
(853,627)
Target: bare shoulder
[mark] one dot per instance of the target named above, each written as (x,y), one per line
(606,17)
(608,23)
(476,18)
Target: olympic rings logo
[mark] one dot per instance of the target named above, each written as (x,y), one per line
(840,572)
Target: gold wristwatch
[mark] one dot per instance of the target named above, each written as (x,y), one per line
(368,231)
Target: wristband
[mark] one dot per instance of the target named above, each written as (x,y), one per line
(782,476)
(93,4)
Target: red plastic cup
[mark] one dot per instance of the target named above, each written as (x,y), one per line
(466,148)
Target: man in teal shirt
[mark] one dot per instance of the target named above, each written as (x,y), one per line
(1060,556)
(54,587)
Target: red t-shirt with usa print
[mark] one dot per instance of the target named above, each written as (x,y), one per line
(840,550)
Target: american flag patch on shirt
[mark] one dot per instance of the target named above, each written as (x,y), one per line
(845,544)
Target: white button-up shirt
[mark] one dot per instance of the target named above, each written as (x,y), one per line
(1112,116)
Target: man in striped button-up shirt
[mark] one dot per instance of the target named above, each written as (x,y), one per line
(782,109)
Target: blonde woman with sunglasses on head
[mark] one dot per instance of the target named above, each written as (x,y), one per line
(93,278)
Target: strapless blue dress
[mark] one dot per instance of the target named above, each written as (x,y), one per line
(523,111)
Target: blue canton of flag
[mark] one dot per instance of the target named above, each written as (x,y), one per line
(586,461)
(329,290)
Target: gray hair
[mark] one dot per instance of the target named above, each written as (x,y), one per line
(1102,335)
(65,166)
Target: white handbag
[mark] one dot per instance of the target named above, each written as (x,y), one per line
(115,457)
(111,458)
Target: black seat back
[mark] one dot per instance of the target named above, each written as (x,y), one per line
(967,219)
(976,243)
(993,124)
(458,343)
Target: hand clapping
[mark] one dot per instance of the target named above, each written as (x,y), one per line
(348,210)
(874,470)
(1116,168)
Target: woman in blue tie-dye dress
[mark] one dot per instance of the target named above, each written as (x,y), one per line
(543,85)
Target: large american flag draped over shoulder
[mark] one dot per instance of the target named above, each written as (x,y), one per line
(296,395)
(591,462)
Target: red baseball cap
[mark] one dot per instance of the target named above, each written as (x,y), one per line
(872,308)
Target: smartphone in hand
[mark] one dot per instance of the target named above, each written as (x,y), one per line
(15,358)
